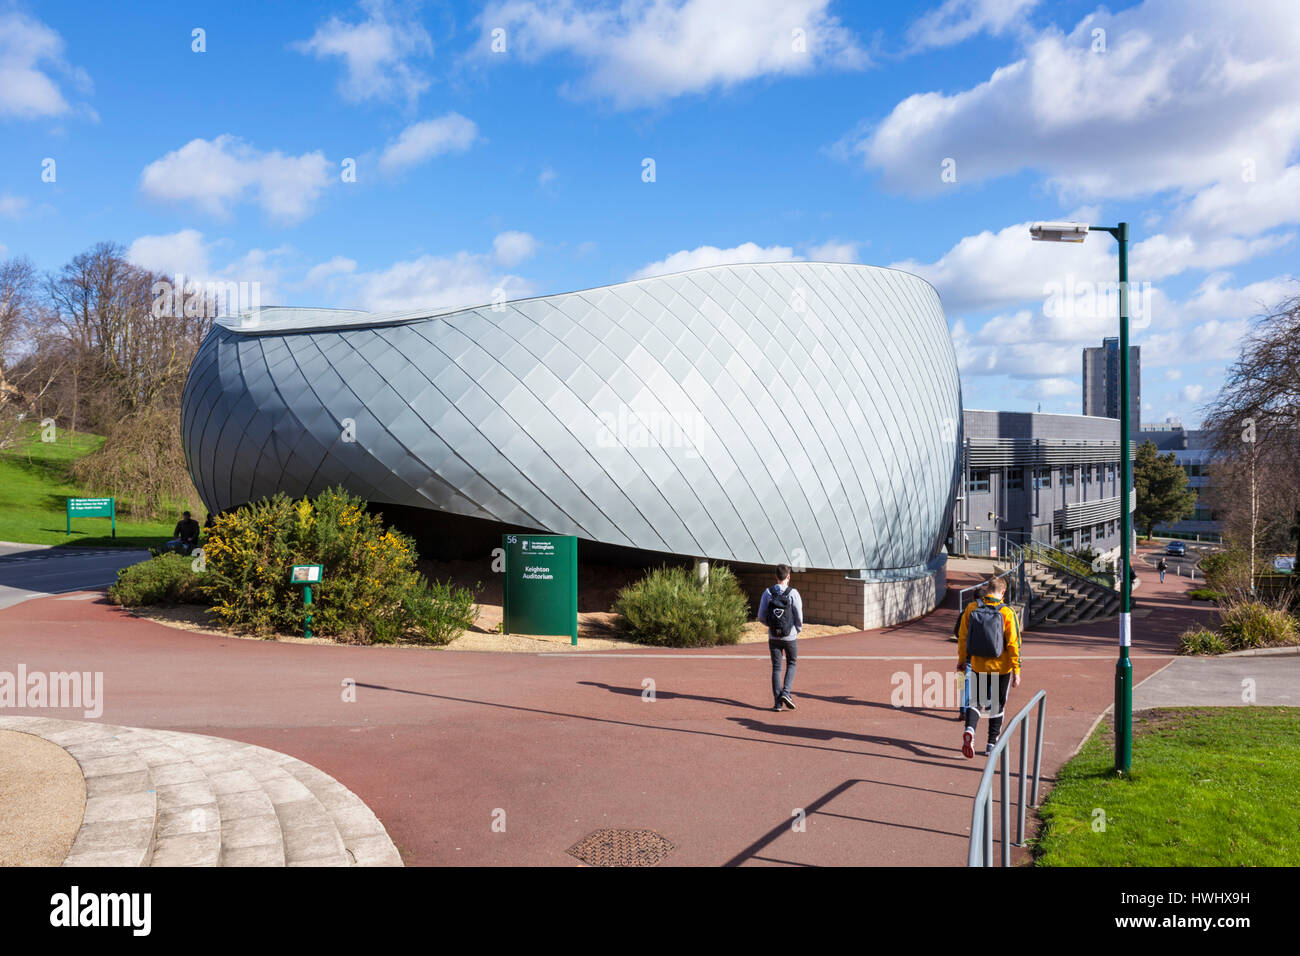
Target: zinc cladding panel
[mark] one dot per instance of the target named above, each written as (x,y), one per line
(867,379)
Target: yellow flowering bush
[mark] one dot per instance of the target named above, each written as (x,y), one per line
(370,589)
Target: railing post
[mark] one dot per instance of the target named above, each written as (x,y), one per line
(1024,756)
(1038,751)
(1006,808)
(976,836)
(988,830)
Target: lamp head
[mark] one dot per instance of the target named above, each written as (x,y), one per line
(1059,231)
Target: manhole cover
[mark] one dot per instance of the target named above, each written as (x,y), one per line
(622,848)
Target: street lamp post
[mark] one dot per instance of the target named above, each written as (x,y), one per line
(1077,232)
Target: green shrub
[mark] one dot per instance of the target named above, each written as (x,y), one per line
(1250,624)
(434,613)
(1206,594)
(670,608)
(168,577)
(1227,571)
(1201,641)
(370,589)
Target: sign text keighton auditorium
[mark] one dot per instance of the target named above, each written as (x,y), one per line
(541,584)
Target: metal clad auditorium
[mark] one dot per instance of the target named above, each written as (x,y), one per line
(806,413)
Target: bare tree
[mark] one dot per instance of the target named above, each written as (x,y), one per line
(1254,425)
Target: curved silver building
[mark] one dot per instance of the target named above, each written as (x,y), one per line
(800,412)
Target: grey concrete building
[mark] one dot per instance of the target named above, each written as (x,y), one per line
(1044,477)
(1191,450)
(806,413)
(1101,382)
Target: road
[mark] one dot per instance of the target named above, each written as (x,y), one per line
(29,570)
(1180,566)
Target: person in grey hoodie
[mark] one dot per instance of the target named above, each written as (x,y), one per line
(781,609)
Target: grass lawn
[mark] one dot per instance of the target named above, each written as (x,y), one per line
(34,487)
(1210,787)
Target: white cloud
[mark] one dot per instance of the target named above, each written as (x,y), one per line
(187,256)
(1007,268)
(217,174)
(178,252)
(1240,207)
(1054,387)
(1207,326)
(1163,255)
(1185,90)
(643,52)
(460,279)
(435,282)
(1192,393)
(1214,298)
(423,141)
(996,270)
(376,52)
(833,251)
(29,52)
(326,271)
(11,207)
(702,256)
(512,248)
(958,20)
(546,176)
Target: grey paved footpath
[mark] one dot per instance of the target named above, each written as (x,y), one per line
(33,570)
(1223,682)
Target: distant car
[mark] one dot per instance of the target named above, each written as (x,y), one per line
(1176,547)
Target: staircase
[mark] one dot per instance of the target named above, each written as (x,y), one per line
(164,798)
(1062,598)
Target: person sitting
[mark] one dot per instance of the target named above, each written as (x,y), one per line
(185,536)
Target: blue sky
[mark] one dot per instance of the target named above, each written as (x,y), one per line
(923,136)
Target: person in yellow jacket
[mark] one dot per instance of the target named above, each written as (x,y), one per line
(992,676)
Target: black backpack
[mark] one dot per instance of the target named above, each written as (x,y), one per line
(984,631)
(780,611)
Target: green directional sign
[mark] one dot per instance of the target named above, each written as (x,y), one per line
(92,508)
(541,584)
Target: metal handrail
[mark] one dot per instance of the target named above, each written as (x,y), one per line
(980,852)
(1015,575)
(1069,564)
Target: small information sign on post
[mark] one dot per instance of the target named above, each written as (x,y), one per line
(306,575)
(92,508)
(541,584)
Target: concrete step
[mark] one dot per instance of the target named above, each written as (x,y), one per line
(117,825)
(166,798)
(1061,600)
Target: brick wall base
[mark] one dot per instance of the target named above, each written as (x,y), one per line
(831,598)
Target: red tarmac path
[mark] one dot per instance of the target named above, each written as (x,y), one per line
(564,744)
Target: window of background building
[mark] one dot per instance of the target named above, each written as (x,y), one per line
(1085,536)
(1067,475)
(1110,472)
(979,480)
(1016,479)
(1042,477)
(1087,474)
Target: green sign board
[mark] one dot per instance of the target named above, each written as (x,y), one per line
(541,584)
(92,508)
(306,575)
